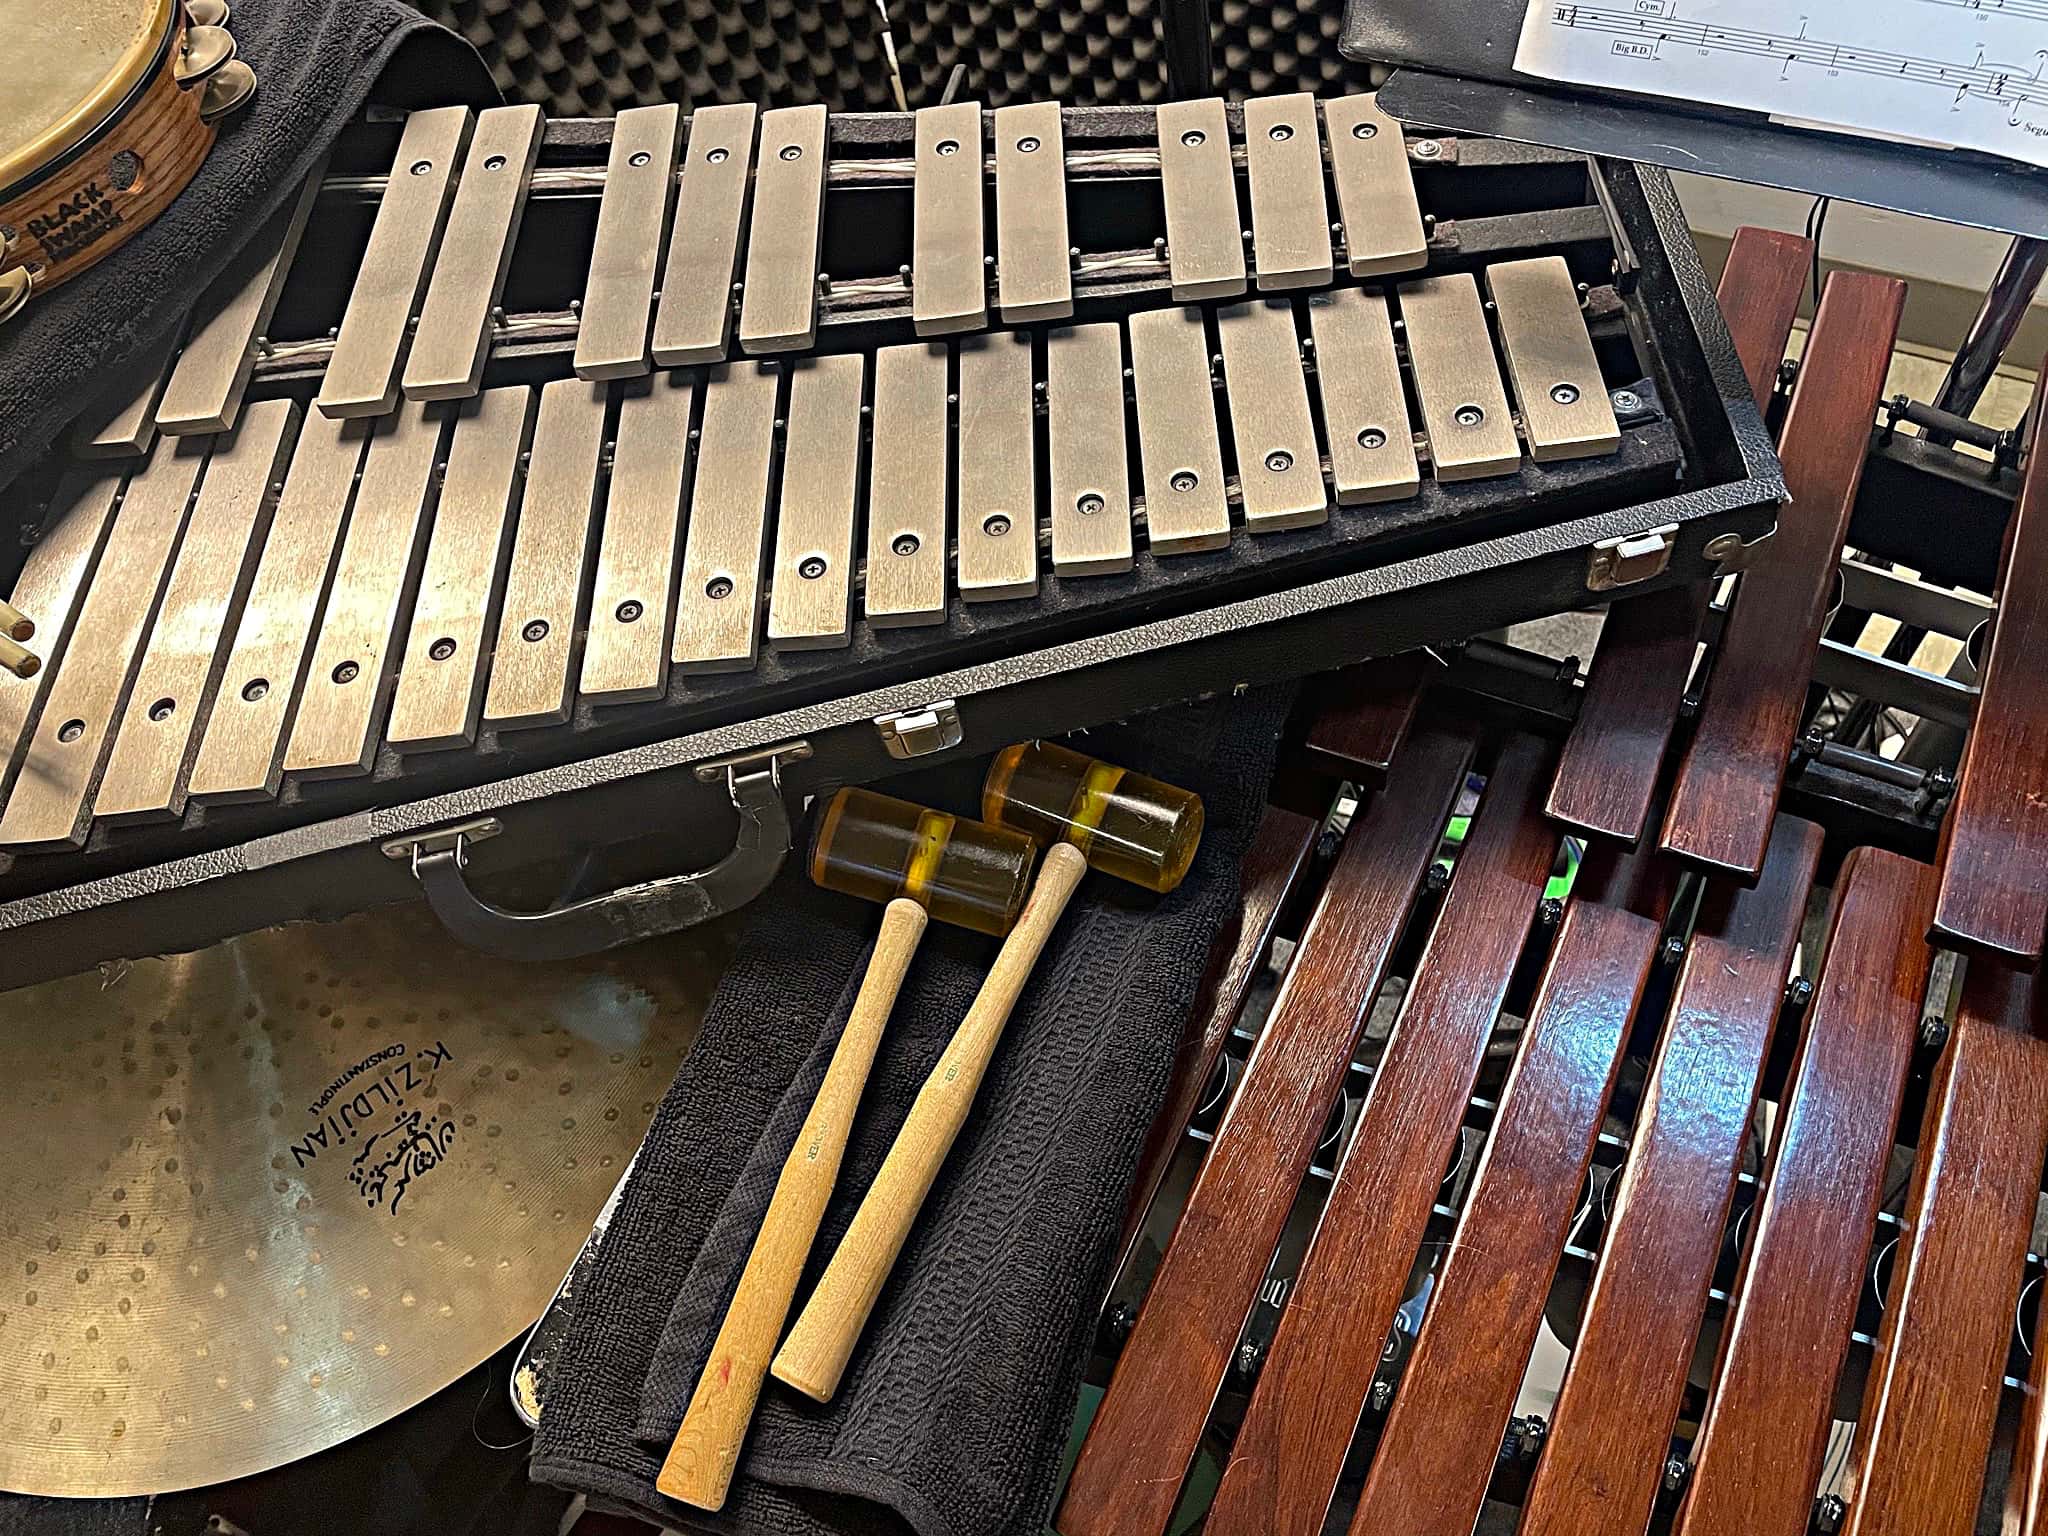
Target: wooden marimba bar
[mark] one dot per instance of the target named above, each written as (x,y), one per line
(1754,1254)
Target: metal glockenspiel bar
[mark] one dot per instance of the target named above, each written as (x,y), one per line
(422,567)
(717,220)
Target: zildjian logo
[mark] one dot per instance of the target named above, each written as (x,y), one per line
(398,1154)
(398,1139)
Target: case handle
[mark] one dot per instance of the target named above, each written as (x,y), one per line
(616,917)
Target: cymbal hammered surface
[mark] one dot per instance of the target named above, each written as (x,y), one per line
(268,1195)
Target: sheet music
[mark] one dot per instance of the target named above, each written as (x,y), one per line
(1972,73)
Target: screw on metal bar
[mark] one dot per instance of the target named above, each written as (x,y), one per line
(1933,1034)
(1250,1356)
(1935,790)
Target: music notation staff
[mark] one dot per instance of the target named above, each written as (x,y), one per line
(2034,10)
(1990,81)
(1972,74)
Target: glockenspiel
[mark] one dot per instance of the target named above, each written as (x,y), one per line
(521,462)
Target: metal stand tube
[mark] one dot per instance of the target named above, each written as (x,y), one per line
(1184,33)
(2005,305)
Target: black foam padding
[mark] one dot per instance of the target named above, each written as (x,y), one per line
(589,58)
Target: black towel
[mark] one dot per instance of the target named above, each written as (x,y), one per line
(317,62)
(953,1416)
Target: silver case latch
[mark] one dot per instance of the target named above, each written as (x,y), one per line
(911,733)
(1630,558)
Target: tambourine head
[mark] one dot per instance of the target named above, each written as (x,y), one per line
(105,126)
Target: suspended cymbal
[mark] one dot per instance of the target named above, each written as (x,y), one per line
(266,1196)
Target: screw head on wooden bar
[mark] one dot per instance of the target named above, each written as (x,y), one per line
(962,872)
(1124,823)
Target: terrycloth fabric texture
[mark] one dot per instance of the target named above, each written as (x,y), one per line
(317,62)
(954,1413)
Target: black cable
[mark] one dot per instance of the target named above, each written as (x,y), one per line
(1816,222)
(476,1414)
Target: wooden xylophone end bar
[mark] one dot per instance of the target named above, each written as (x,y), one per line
(1608,772)
(1722,804)
(1363,714)
(1994,842)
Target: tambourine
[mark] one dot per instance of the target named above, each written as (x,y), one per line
(109,120)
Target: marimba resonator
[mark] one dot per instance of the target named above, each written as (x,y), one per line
(520,448)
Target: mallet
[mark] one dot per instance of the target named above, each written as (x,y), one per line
(16,627)
(923,864)
(1094,815)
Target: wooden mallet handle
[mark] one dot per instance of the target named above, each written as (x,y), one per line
(20,662)
(15,624)
(699,1467)
(814,1356)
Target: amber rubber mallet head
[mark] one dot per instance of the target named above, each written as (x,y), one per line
(1125,824)
(1091,815)
(962,872)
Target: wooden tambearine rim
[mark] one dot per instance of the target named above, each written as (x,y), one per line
(85,165)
